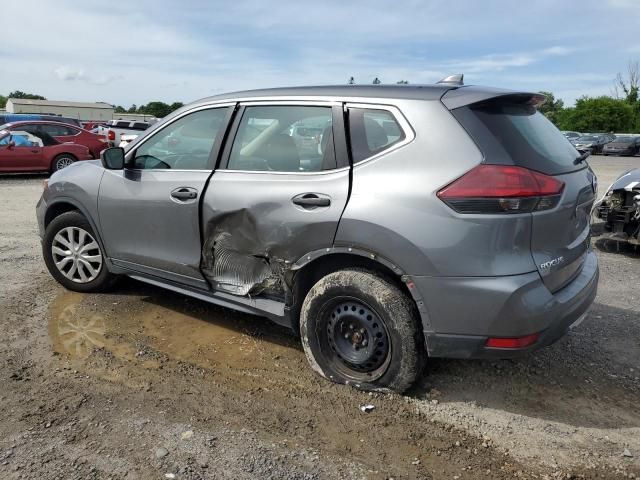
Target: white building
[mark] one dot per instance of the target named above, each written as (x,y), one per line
(78,110)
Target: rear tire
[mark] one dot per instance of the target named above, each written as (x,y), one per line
(360,329)
(62,161)
(73,255)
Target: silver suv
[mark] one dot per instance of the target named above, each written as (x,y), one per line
(416,221)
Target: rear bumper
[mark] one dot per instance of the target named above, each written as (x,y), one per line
(464,312)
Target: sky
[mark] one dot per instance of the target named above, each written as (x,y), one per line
(136,51)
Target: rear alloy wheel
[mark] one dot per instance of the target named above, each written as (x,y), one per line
(73,255)
(62,161)
(360,329)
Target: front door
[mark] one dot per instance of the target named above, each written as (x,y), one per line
(279,195)
(149,212)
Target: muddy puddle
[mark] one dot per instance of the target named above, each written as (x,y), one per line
(152,329)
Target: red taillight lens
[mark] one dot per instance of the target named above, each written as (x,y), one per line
(111,135)
(502,189)
(518,342)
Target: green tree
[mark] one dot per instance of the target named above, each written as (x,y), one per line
(176,105)
(376,81)
(599,114)
(552,107)
(30,96)
(3,101)
(403,82)
(156,109)
(119,109)
(352,81)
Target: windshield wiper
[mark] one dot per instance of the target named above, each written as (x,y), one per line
(581,158)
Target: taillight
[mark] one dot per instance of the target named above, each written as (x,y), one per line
(502,189)
(111,135)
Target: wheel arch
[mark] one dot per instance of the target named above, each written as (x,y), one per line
(66,204)
(315,265)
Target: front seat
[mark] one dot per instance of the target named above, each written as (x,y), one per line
(282,155)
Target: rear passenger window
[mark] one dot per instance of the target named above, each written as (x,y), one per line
(284,139)
(372,131)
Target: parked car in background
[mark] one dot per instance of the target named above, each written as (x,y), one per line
(22,151)
(21,117)
(619,208)
(126,140)
(91,125)
(591,143)
(623,145)
(572,135)
(63,133)
(115,128)
(417,198)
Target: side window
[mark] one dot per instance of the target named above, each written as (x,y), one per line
(284,139)
(184,144)
(56,130)
(372,131)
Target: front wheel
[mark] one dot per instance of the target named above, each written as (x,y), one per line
(360,329)
(62,161)
(73,255)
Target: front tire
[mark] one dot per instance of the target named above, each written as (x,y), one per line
(73,255)
(62,161)
(360,329)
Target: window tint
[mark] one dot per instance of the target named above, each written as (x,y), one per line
(372,131)
(57,130)
(184,144)
(519,134)
(284,139)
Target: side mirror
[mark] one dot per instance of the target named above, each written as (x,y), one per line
(112,158)
(11,145)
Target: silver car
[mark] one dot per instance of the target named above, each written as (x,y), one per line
(426,221)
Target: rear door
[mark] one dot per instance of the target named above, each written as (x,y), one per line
(279,194)
(149,212)
(509,130)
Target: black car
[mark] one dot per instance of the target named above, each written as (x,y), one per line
(591,143)
(623,145)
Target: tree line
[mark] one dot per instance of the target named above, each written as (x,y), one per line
(618,112)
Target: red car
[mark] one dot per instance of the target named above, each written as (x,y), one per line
(63,132)
(22,151)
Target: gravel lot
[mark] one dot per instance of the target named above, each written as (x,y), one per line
(144,383)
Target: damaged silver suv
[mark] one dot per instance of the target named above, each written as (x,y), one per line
(383,224)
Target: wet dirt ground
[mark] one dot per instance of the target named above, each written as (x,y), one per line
(145,383)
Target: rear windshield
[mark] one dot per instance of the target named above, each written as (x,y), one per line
(518,134)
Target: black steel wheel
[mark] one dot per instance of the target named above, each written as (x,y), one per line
(355,338)
(360,329)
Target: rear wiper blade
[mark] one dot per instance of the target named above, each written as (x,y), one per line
(581,158)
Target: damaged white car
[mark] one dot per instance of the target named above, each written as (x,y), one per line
(619,208)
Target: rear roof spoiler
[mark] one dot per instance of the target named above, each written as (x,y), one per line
(464,96)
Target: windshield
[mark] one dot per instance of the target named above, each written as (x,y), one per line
(589,138)
(624,140)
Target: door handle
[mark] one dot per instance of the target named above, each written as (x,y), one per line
(311,200)
(184,193)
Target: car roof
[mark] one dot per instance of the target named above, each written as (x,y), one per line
(41,122)
(452,95)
